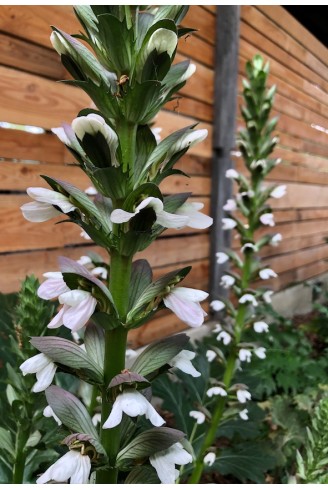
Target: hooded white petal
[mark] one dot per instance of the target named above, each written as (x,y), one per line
(72,465)
(230,205)
(198,416)
(133,403)
(182,361)
(243,396)
(260,352)
(276,239)
(38,212)
(210,355)
(267,219)
(48,412)
(267,296)
(248,298)
(245,355)
(100,271)
(53,286)
(278,191)
(34,364)
(228,223)
(184,302)
(249,246)
(221,257)
(231,173)
(40,194)
(44,377)
(217,305)
(225,337)
(164,462)
(244,414)
(77,316)
(163,40)
(197,220)
(209,459)
(216,390)
(267,273)
(227,281)
(260,326)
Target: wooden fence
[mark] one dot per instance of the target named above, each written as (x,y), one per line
(30,95)
(299,68)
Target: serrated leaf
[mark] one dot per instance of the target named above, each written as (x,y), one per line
(142,474)
(72,413)
(159,353)
(6,441)
(148,443)
(94,341)
(69,354)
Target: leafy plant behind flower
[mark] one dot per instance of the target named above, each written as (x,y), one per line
(129,75)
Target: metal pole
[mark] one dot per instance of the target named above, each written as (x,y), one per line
(225,105)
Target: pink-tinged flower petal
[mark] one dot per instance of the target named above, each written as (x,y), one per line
(189,312)
(190,294)
(72,465)
(53,286)
(164,462)
(77,316)
(115,416)
(196,219)
(34,364)
(82,471)
(44,377)
(38,212)
(57,320)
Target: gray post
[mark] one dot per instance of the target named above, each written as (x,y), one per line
(225,104)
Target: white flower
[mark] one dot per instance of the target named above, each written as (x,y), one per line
(183,360)
(184,302)
(209,459)
(199,416)
(244,414)
(163,40)
(216,390)
(44,369)
(168,220)
(156,132)
(48,412)
(217,305)
(245,355)
(230,205)
(197,220)
(217,328)
(248,298)
(278,191)
(231,173)
(228,223)
(84,235)
(84,260)
(53,286)
(267,219)
(91,191)
(267,273)
(227,281)
(96,419)
(211,355)
(100,271)
(221,257)
(249,246)
(261,164)
(72,465)
(130,354)
(276,239)
(164,462)
(225,337)
(133,403)
(260,327)
(267,296)
(93,124)
(260,352)
(78,307)
(43,207)
(243,396)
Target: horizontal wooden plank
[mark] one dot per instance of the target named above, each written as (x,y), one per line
(294,244)
(33,100)
(306,160)
(201,85)
(291,25)
(194,47)
(189,107)
(256,19)
(25,56)
(299,258)
(164,252)
(202,20)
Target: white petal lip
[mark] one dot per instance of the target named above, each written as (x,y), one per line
(216,390)
(260,327)
(245,355)
(248,298)
(34,364)
(77,316)
(184,302)
(244,414)
(197,220)
(48,196)
(72,465)
(44,377)
(199,416)
(231,173)
(217,305)
(267,219)
(210,458)
(163,40)
(228,223)
(211,355)
(182,361)
(221,257)
(53,286)
(243,396)
(48,412)
(267,273)
(227,281)
(278,192)
(133,404)
(276,239)
(164,462)
(260,352)
(225,337)
(38,212)
(230,205)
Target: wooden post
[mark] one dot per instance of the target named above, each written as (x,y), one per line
(225,102)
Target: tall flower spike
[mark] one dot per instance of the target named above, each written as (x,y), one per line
(184,302)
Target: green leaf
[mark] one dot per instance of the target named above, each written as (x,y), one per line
(143,191)
(142,474)
(6,442)
(116,39)
(141,277)
(11,394)
(34,439)
(72,413)
(136,102)
(94,341)
(68,354)
(148,443)
(111,181)
(173,12)
(159,353)
(146,143)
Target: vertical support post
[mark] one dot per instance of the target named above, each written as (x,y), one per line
(225,104)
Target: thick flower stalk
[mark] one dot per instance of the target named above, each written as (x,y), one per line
(248,214)
(129,73)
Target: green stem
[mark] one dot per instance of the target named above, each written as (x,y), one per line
(127,134)
(114,362)
(93,400)
(20,455)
